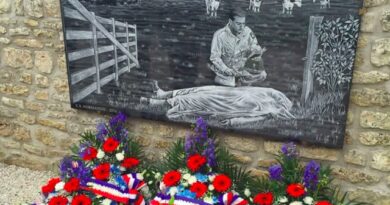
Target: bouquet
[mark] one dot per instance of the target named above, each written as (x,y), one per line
(291,183)
(104,169)
(193,176)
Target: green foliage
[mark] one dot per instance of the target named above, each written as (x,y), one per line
(335,56)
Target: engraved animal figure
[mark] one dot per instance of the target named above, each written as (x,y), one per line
(324,4)
(255,5)
(288,6)
(212,7)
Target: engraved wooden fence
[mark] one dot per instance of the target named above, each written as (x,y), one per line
(98,31)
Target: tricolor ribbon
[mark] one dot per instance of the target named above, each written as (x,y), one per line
(231,199)
(130,195)
(163,199)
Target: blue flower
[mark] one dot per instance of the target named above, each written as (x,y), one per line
(275,172)
(187,193)
(290,150)
(201,177)
(310,175)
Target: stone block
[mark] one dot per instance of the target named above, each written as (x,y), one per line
(5,41)
(369,77)
(61,85)
(373,3)
(241,158)
(243,144)
(3,30)
(19,9)
(17,58)
(31,22)
(52,123)
(22,134)
(6,128)
(52,8)
(370,97)
(10,144)
(62,97)
(42,81)
(355,156)
(35,106)
(44,33)
(376,120)
(31,43)
(8,88)
(27,118)
(273,147)
(36,150)
(21,31)
(368,22)
(43,62)
(52,24)
(374,138)
(143,141)
(46,137)
(368,196)
(12,102)
(41,95)
(385,20)
(354,176)
(26,78)
(266,163)
(33,8)
(319,153)
(61,63)
(5,6)
(162,144)
(258,173)
(7,112)
(27,161)
(380,52)
(381,160)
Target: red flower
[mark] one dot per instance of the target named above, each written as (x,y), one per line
(222,183)
(89,153)
(171,178)
(72,185)
(110,145)
(130,162)
(81,200)
(199,188)
(102,172)
(195,161)
(295,190)
(58,200)
(50,186)
(324,202)
(264,198)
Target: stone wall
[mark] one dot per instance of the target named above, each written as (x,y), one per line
(37,125)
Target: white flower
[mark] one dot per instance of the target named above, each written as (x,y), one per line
(106,202)
(308,200)
(211,187)
(296,203)
(59,186)
(186,176)
(120,156)
(247,192)
(283,199)
(185,184)
(172,191)
(100,154)
(211,178)
(140,176)
(157,175)
(208,200)
(192,180)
